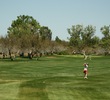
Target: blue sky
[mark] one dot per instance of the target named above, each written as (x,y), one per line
(58,15)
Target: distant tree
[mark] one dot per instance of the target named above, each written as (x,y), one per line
(24,25)
(95,41)
(105,41)
(82,38)
(87,35)
(8,46)
(105,31)
(22,29)
(75,34)
(4,43)
(57,39)
(88,39)
(45,33)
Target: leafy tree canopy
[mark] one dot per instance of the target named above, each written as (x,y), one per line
(23,25)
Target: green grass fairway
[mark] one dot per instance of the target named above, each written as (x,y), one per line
(54,78)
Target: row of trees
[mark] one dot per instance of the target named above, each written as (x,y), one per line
(83,38)
(26,34)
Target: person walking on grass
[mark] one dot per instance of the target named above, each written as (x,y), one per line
(85,71)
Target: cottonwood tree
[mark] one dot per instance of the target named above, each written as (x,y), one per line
(82,37)
(75,35)
(105,41)
(87,35)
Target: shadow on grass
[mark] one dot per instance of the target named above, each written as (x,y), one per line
(20,60)
(33,90)
(36,89)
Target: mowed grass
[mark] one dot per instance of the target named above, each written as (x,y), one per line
(54,78)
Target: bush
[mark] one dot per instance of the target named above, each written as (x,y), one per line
(63,53)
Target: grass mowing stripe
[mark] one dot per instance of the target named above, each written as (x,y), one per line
(55,78)
(9,90)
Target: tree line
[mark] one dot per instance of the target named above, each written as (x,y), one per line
(26,35)
(84,39)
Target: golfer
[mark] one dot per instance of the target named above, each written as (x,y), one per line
(85,71)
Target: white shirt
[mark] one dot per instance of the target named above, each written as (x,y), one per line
(86,66)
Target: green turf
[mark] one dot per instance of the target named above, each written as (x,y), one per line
(54,78)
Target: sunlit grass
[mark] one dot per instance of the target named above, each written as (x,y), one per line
(54,78)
